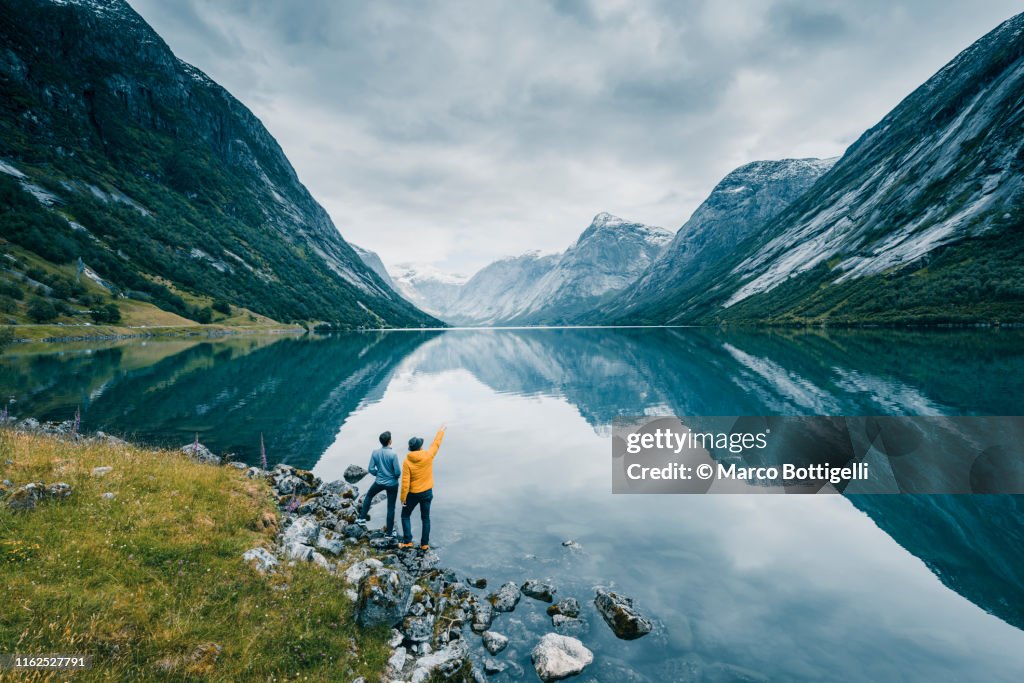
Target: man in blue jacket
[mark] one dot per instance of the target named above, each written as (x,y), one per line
(387,470)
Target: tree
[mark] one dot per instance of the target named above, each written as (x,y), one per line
(222,306)
(204,316)
(41,310)
(108,313)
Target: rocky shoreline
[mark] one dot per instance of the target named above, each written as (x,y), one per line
(432,611)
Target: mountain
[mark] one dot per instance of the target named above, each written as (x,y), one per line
(738,207)
(169,189)
(500,291)
(373,262)
(427,287)
(536,290)
(920,221)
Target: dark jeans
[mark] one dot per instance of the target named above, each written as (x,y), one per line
(392,492)
(411,501)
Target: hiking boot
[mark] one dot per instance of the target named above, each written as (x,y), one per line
(405,545)
(424,547)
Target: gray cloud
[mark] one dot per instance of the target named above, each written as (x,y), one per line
(456,132)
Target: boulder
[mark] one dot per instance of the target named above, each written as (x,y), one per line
(261,559)
(494,642)
(303,530)
(290,485)
(341,488)
(483,616)
(330,542)
(418,629)
(505,598)
(200,453)
(477,583)
(569,607)
(538,590)
(238,465)
(355,531)
(556,657)
(493,666)
(299,552)
(397,661)
(383,596)
(355,573)
(619,613)
(354,474)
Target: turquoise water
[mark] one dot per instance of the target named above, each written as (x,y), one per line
(784,588)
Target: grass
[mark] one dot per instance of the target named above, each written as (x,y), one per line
(146,583)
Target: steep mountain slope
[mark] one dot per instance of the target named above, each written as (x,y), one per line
(532,289)
(428,288)
(920,220)
(738,207)
(372,260)
(114,151)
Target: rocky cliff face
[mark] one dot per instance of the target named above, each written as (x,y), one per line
(919,220)
(159,175)
(533,289)
(428,288)
(737,208)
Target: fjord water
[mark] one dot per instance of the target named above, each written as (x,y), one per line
(741,587)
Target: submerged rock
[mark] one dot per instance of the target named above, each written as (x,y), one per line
(569,626)
(494,642)
(493,666)
(569,607)
(538,590)
(505,598)
(354,474)
(477,583)
(619,613)
(556,657)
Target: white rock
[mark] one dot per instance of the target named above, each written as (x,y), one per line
(556,657)
(261,558)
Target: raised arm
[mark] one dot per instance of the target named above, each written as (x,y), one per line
(432,451)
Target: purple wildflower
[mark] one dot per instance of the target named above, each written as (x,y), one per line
(293,504)
(195,445)
(263,453)
(78,421)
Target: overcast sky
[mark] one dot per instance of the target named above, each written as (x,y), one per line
(454,133)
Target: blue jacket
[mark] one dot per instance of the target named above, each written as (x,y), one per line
(384,465)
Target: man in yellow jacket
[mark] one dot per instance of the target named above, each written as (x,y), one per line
(418,488)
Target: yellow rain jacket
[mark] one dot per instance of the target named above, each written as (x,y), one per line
(418,469)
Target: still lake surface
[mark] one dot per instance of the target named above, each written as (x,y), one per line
(813,588)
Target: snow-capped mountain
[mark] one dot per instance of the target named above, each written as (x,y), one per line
(371,259)
(920,220)
(738,207)
(501,291)
(535,289)
(427,287)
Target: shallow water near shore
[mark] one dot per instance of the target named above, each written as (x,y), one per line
(784,587)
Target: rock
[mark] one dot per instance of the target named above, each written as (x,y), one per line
(483,615)
(341,488)
(538,590)
(256,473)
(321,561)
(494,642)
(619,613)
(355,573)
(29,424)
(384,542)
(238,465)
(58,491)
(397,661)
(261,559)
(101,471)
(303,530)
(355,531)
(445,662)
(418,629)
(569,626)
(477,583)
(200,453)
(354,474)
(289,484)
(383,596)
(109,495)
(297,551)
(570,607)
(330,542)
(396,638)
(556,657)
(493,666)
(505,598)
(572,545)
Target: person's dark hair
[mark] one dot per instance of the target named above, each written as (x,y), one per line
(385,439)
(415,443)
